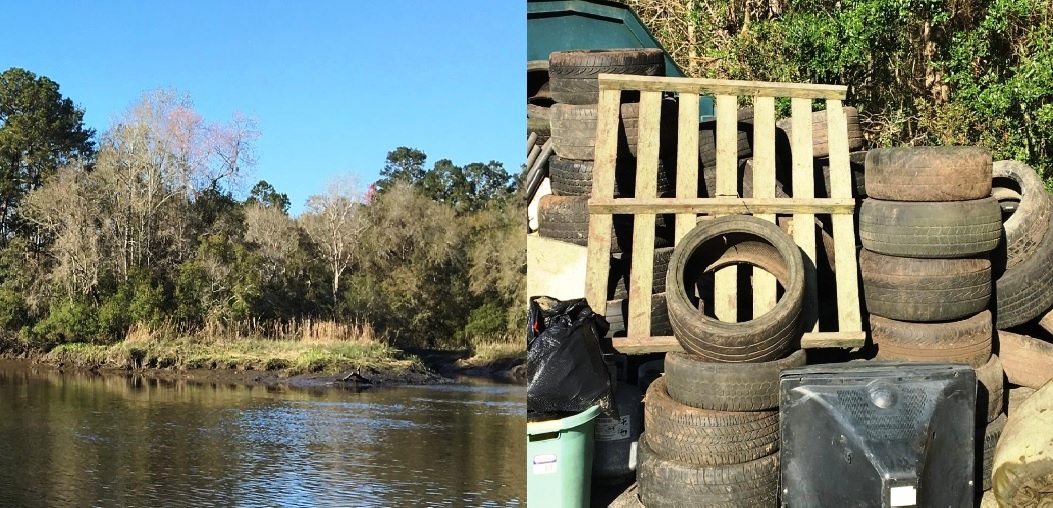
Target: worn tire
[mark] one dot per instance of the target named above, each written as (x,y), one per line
(704,437)
(857,173)
(573,130)
(951,229)
(924,290)
(617,310)
(744,182)
(538,120)
(990,437)
(727,386)
(1022,471)
(967,341)
(566,218)
(721,242)
(667,131)
(990,390)
(1025,291)
(707,143)
(572,74)
(663,482)
(1027,361)
(621,267)
(574,178)
(820,144)
(1017,396)
(929,173)
(1029,224)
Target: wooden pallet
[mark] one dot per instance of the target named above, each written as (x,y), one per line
(764,204)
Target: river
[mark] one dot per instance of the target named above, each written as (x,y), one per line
(79,439)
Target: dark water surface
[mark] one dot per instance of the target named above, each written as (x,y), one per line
(74,439)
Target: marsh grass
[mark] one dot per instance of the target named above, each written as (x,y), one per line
(284,348)
(502,352)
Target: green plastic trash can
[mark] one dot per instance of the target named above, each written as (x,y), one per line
(559,460)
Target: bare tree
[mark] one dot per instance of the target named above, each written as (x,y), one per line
(335,221)
(274,233)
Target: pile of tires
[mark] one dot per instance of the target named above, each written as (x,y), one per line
(928,229)
(711,422)
(564,215)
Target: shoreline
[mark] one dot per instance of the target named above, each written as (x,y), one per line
(410,369)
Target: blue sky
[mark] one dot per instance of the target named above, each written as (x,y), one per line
(334,84)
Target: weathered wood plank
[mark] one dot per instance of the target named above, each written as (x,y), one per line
(638,345)
(803,188)
(725,284)
(598,262)
(723,206)
(851,339)
(641,274)
(764,284)
(686,162)
(721,87)
(845,262)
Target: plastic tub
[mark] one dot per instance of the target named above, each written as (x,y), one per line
(559,460)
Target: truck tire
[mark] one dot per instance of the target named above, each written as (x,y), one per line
(618,309)
(820,145)
(1023,472)
(857,172)
(1027,361)
(735,239)
(967,341)
(990,390)
(1025,291)
(952,229)
(704,437)
(727,386)
(566,218)
(929,173)
(924,290)
(622,266)
(992,431)
(574,178)
(1029,224)
(572,74)
(664,482)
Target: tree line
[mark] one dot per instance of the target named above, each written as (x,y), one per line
(921,72)
(144,225)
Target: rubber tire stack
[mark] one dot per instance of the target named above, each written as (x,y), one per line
(564,215)
(712,421)
(928,229)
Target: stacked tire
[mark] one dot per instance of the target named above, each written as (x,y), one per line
(928,229)
(712,421)
(564,214)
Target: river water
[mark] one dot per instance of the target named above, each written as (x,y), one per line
(76,439)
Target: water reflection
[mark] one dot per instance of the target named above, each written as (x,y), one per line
(72,439)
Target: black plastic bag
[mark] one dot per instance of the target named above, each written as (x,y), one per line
(565,367)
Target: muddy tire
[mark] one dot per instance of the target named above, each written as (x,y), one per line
(1027,361)
(727,386)
(967,341)
(924,290)
(725,241)
(857,172)
(1029,224)
(990,437)
(705,437)
(574,178)
(621,268)
(617,310)
(1022,470)
(990,390)
(1025,291)
(572,74)
(566,218)
(929,173)
(664,482)
(1017,396)
(951,229)
(820,144)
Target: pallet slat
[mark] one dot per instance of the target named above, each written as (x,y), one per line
(725,301)
(848,318)
(764,284)
(641,272)
(598,261)
(686,162)
(721,87)
(745,206)
(804,188)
